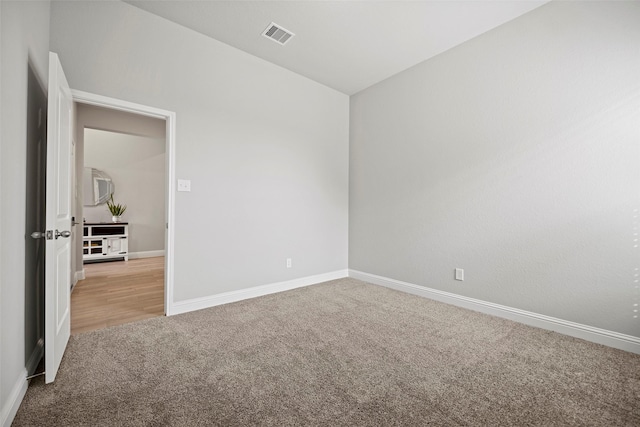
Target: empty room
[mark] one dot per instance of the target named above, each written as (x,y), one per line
(370,212)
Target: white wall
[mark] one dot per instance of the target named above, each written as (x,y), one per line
(266,150)
(513,156)
(25,39)
(136,165)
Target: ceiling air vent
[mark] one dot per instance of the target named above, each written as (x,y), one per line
(278,34)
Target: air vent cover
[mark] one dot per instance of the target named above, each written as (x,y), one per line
(278,34)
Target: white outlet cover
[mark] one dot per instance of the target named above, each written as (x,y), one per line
(184,185)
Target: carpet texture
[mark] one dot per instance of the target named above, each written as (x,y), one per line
(341,353)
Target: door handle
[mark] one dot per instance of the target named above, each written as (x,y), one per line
(48,234)
(62,234)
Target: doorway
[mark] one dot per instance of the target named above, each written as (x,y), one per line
(132,143)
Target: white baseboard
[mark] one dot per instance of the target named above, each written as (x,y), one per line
(257,291)
(585,332)
(80,275)
(35,357)
(146,254)
(10,407)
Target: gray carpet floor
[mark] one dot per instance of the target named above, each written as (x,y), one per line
(341,353)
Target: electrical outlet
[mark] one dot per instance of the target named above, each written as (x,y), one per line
(459,274)
(289,263)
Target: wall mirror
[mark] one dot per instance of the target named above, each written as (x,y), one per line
(98,187)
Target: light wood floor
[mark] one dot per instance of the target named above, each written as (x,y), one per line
(118,292)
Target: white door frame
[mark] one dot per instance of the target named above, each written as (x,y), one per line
(170,118)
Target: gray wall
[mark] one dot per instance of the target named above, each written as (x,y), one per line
(513,156)
(24,38)
(136,165)
(266,150)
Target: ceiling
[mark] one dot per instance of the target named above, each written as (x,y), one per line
(346,45)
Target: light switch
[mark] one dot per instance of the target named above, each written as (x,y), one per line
(184,185)
(459,274)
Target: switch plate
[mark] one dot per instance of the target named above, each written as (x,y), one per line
(459,274)
(289,263)
(184,185)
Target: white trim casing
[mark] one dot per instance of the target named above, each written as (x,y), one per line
(170,119)
(577,330)
(80,275)
(10,409)
(170,211)
(256,291)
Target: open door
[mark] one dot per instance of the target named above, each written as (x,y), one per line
(58,219)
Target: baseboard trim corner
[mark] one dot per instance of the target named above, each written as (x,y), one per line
(80,275)
(146,254)
(577,330)
(256,291)
(11,406)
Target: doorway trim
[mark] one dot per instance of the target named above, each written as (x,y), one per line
(170,119)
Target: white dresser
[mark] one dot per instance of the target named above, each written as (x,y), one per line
(105,241)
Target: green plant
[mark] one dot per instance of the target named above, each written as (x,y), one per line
(116,209)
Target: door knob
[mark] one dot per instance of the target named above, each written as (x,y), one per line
(43,235)
(62,233)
